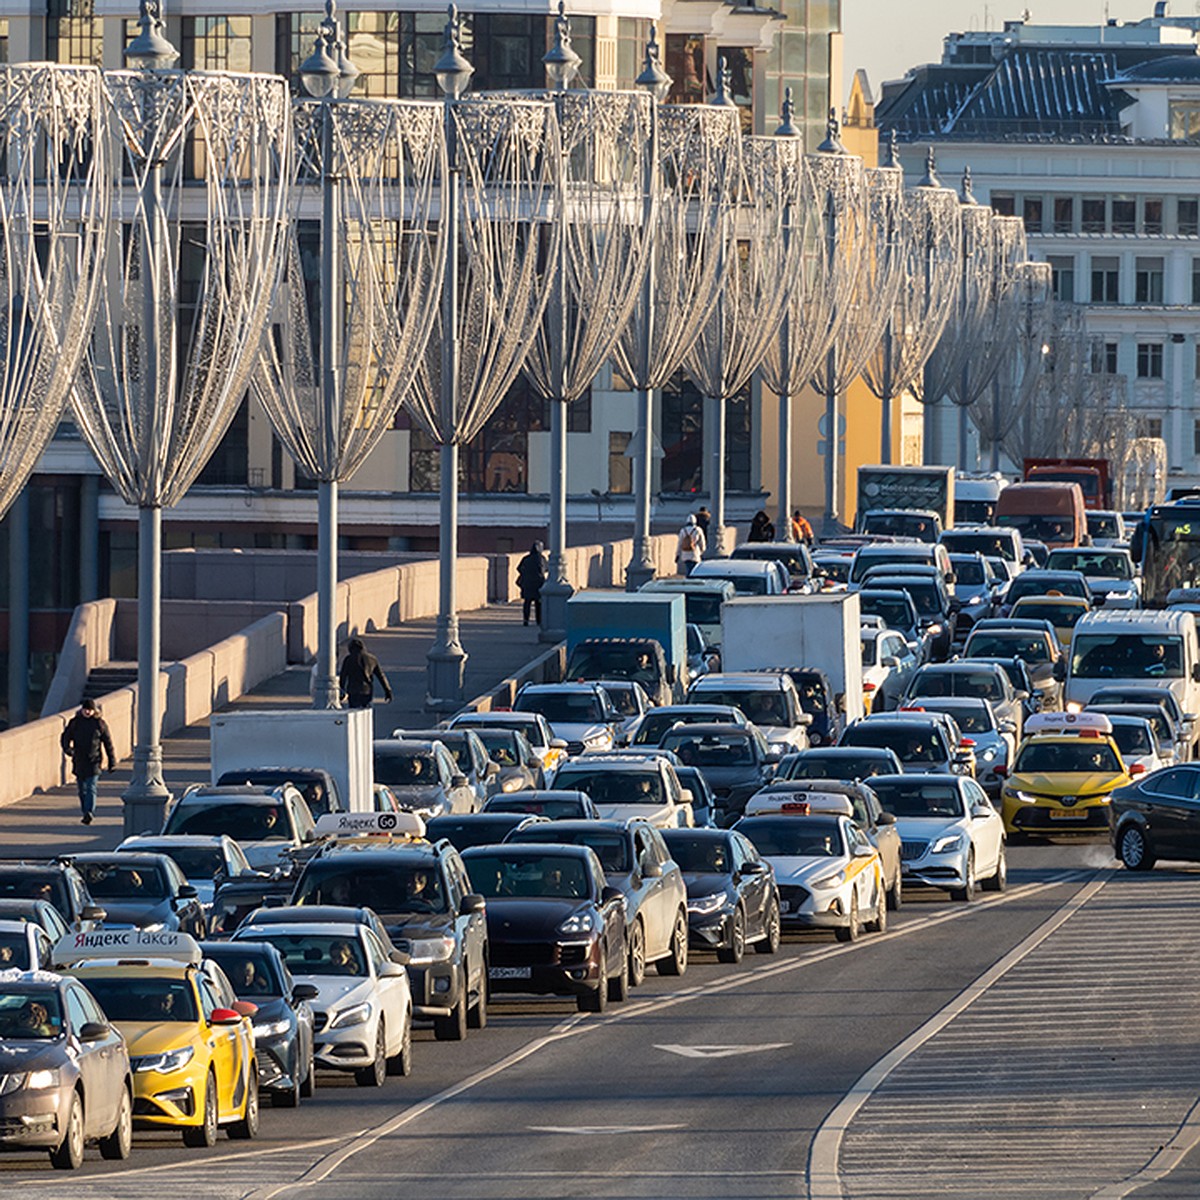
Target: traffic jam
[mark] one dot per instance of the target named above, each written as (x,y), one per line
(792,741)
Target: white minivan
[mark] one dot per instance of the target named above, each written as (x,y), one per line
(1146,647)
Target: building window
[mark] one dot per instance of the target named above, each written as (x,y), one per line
(1104,358)
(620,465)
(1196,280)
(74,34)
(1185,120)
(1150,360)
(740,60)
(1003,205)
(1150,427)
(682,436)
(1124,215)
(1064,214)
(3,40)
(1152,215)
(1062,274)
(230,463)
(216,43)
(1106,280)
(685,65)
(1196,439)
(1094,215)
(1031,211)
(373,41)
(1148,281)
(632,35)
(739,453)
(1188,218)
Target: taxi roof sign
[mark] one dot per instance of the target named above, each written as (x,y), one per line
(372,824)
(1087,724)
(799,803)
(127,943)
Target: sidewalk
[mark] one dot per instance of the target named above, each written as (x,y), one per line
(494,638)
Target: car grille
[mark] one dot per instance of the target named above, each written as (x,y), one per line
(574,748)
(320,1020)
(793,895)
(523,954)
(911,850)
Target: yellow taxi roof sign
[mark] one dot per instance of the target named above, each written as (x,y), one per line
(1089,724)
(127,943)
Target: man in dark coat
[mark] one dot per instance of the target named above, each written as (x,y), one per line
(531,574)
(360,669)
(85,740)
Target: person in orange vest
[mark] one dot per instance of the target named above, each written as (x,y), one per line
(802,531)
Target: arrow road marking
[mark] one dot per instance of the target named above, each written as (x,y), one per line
(722,1051)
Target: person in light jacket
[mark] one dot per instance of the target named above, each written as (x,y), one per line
(691,546)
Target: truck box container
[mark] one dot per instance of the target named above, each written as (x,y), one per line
(929,488)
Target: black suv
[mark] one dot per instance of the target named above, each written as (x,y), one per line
(56,881)
(423,896)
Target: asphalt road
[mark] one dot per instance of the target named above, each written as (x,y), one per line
(1043,1041)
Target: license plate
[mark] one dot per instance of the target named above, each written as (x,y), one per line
(1077,815)
(785,906)
(510,972)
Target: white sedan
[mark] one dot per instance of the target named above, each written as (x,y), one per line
(950,835)
(362,1016)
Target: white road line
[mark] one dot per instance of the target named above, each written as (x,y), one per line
(824,1180)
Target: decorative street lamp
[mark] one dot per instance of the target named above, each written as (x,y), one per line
(331,381)
(182,310)
(593,281)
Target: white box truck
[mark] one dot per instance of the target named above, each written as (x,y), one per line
(336,740)
(798,631)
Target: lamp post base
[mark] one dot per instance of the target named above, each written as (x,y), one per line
(445,669)
(638,573)
(147,797)
(555,594)
(326,691)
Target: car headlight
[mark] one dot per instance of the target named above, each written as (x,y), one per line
(271,1029)
(989,754)
(1024,797)
(578,923)
(41,1079)
(512,785)
(706,904)
(828,881)
(164,1064)
(598,741)
(351,1016)
(1073,706)
(948,844)
(431,950)
(780,747)
(973,600)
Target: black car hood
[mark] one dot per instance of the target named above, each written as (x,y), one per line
(418,925)
(138,913)
(270,1008)
(722,778)
(18,1056)
(533,918)
(702,884)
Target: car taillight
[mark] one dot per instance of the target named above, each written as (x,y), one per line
(868,687)
(1138,769)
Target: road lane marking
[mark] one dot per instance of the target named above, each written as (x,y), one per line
(824,1179)
(594,1130)
(721,1051)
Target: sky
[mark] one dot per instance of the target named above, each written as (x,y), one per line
(887,37)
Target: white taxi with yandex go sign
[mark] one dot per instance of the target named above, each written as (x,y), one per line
(829,874)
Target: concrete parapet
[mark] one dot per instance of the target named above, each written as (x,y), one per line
(546,668)
(91,641)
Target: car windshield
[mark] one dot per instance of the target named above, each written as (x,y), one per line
(196,862)
(578,708)
(111,881)
(1098,564)
(974,512)
(901,524)
(1040,527)
(620,661)
(1001,568)
(607,786)
(984,685)
(970,571)
(474,830)
(990,545)
(460,752)
(702,608)
(1061,616)
(970,718)
(793,837)
(501,745)
(496,721)
(837,570)
(913,744)
(1126,655)
(834,766)
(554,810)
(812,695)
(868,651)
(711,749)
(1103,525)
(1034,583)
(743,585)
(1160,697)
(251,973)
(406,769)
(535,876)
(1029,647)
(913,798)
(317,953)
(699,854)
(312,787)
(610,847)
(1132,740)
(1087,755)
(623,699)
(655,724)
(28,1015)
(242,822)
(894,613)
(136,998)
(31,885)
(924,593)
(396,888)
(760,706)
(14,952)
(1163,726)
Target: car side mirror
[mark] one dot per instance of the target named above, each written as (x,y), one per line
(391,970)
(1196,672)
(982,810)
(1137,769)
(686,796)
(473,902)
(1060,670)
(558,744)
(491,771)
(187,892)
(303,992)
(885,818)
(863,851)
(671,673)
(226,1016)
(754,868)
(652,870)
(890,661)
(458,781)
(93,1031)
(1007,726)
(93,912)
(1021,694)
(609,894)
(245,1008)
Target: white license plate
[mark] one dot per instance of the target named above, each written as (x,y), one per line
(785,906)
(510,972)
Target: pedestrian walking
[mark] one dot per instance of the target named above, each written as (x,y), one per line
(531,575)
(802,531)
(85,741)
(360,668)
(703,519)
(761,528)
(691,546)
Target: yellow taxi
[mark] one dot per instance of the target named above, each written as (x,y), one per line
(192,1055)
(1063,776)
(1063,612)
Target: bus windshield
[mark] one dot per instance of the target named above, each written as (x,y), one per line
(1171,554)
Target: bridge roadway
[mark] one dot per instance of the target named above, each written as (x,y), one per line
(1041,1043)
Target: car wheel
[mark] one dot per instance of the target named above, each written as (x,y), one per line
(637,954)
(595,1001)
(286,1097)
(247,1128)
(895,896)
(879,924)
(770,943)
(966,893)
(737,939)
(999,881)
(119,1143)
(310,1080)
(618,986)
(374,1075)
(676,962)
(1135,849)
(477,1014)
(203,1136)
(401,1063)
(850,931)
(454,1027)
(68,1155)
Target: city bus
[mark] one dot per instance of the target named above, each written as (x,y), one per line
(1169,541)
